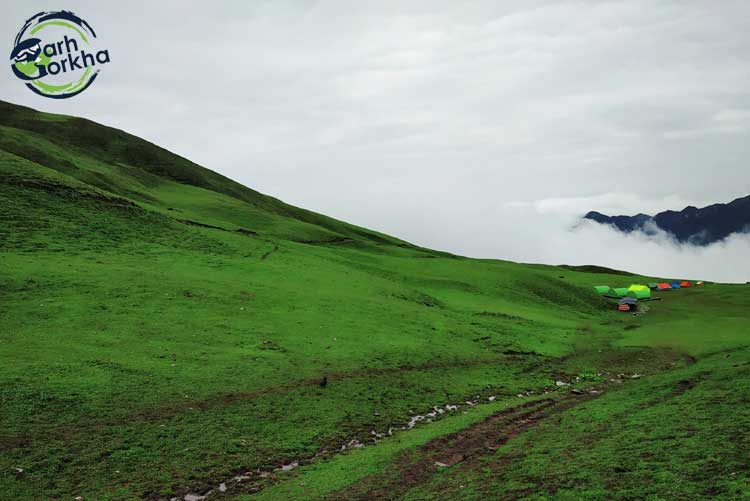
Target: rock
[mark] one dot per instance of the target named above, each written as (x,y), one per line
(440,465)
(561,383)
(576,391)
(491,399)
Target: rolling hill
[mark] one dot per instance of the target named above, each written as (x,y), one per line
(165,332)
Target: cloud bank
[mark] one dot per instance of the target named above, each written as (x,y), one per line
(552,232)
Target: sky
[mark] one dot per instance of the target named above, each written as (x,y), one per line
(483,128)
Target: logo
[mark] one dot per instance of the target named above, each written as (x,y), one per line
(55,54)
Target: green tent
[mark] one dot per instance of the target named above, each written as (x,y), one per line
(620,292)
(602,290)
(637,287)
(653,285)
(640,293)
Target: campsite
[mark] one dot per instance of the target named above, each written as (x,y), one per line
(629,297)
(175,335)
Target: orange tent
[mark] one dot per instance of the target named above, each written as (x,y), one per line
(685,283)
(663,286)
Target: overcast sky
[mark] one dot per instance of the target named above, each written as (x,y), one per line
(482,128)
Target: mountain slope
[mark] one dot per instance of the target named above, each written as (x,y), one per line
(128,166)
(697,226)
(148,357)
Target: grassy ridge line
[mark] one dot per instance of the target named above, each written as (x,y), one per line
(132,167)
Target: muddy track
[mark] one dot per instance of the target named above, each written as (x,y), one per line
(416,467)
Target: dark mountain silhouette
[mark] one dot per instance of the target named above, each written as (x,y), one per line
(690,225)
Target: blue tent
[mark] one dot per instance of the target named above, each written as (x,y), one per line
(675,284)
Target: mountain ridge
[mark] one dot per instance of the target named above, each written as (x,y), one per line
(698,226)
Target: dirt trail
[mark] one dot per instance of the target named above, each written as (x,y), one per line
(418,466)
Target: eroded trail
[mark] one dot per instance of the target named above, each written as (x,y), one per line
(418,466)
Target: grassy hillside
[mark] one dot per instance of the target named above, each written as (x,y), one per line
(165,330)
(158,180)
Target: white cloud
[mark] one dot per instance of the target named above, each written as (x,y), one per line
(607,203)
(526,234)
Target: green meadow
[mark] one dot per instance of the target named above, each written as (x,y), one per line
(164,332)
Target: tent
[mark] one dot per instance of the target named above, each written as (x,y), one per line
(653,285)
(674,285)
(663,286)
(620,292)
(700,283)
(627,304)
(638,287)
(685,283)
(602,289)
(639,291)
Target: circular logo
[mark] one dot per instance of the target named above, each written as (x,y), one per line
(55,54)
